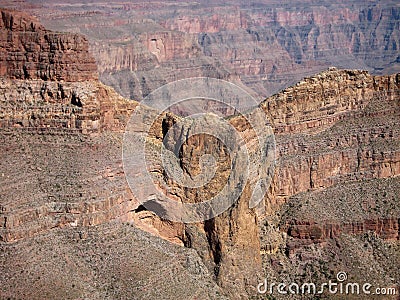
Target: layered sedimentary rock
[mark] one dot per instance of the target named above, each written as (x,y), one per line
(68,137)
(265,45)
(29,51)
(351,208)
(228,242)
(46,121)
(333,203)
(332,128)
(86,107)
(337,173)
(61,145)
(388,229)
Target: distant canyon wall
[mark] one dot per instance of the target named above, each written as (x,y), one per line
(265,46)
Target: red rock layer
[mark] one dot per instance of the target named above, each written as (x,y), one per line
(29,51)
(335,127)
(49,88)
(308,232)
(84,107)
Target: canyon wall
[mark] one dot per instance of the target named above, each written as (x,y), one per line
(51,103)
(62,139)
(266,46)
(65,137)
(334,127)
(228,242)
(28,51)
(338,160)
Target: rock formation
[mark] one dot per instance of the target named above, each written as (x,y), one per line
(330,130)
(28,51)
(335,187)
(336,179)
(229,242)
(42,102)
(265,45)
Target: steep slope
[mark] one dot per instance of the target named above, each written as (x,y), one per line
(109,261)
(337,177)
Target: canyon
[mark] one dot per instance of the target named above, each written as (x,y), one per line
(265,46)
(72,228)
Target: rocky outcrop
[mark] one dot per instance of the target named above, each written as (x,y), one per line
(317,102)
(49,81)
(28,51)
(307,232)
(228,242)
(86,107)
(71,126)
(333,128)
(353,208)
(337,173)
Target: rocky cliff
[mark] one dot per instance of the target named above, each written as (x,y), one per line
(28,51)
(335,127)
(335,134)
(336,180)
(229,242)
(49,89)
(64,200)
(265,45)
(334,190)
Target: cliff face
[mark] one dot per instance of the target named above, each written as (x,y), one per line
(337,176)
(265,45)
(28,51)
(338,163)
(335,127)
(63,187)
(87,107)
(46,120)
(229,242)
(387,229)
(335,133)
